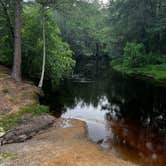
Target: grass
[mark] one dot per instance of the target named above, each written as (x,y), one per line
(7,155)
(5,90)
(8,121)
(156,72)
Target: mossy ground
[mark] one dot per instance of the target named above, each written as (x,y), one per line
(155,72)
(7,155)
(10,120)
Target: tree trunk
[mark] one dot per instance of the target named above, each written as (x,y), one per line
(16,72)
(44,50)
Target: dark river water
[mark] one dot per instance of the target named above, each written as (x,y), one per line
(124,115)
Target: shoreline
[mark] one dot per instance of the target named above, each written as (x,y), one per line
(142,73)
(30,136)
(63,144)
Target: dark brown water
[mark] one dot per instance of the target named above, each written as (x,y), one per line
(124,115)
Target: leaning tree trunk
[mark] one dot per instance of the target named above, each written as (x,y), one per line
(16,71)
(44,50)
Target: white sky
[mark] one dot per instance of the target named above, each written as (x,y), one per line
(105,1)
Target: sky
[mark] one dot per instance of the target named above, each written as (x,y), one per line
(105,1)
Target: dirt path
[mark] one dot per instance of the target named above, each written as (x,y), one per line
(64,144)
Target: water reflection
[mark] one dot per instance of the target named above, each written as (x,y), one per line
(130,137)
(93,115)
(127,113)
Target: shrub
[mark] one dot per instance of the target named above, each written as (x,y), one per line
(5,90)
(154,58)
(134,55)
(117,61)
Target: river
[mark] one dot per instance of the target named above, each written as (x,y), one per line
(124,115)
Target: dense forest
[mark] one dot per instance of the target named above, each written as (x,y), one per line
(138,35)
(51,35)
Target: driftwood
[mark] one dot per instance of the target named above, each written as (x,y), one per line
(27,129)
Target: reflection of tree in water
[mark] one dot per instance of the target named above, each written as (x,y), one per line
(137,117)
(137,109)
(89,93)
(70,93)
(137,100)
(129,98)
(141,142)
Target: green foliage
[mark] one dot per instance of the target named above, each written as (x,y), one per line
(5,50)
(154,58)
(140,21)
(156,71)
(73,27)
(6,38)
(117,61)
(34,109)
(134,55)
(8,121)
(5,90)
(83,25)
(7,155)
(59,60)
(84,28)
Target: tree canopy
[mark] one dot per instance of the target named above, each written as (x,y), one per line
(83,28)
(137,21)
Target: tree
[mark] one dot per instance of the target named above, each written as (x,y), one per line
(44,48)
(83,26)
(5,5)
(44,4)
(16,71)
(59,62)
(6,32)
(137,21)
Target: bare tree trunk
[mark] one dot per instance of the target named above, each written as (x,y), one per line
(44,50)
(16,72)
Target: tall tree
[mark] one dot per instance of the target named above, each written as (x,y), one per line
(44,4)
(44,48)
(141,21)
(16,71)
(58,60)
(83,25)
